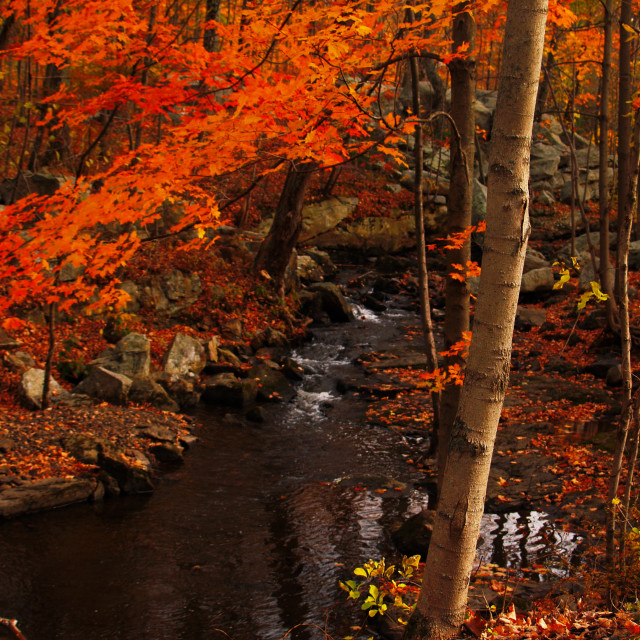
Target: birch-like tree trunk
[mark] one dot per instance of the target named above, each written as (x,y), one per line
(442,602)
(456,322)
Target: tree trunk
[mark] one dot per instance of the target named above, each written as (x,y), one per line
(624,108)
(606,283)
(210,39)
(459,212)
(423,275)
(275,252)
(442,602)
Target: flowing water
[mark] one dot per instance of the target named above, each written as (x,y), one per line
(251,536)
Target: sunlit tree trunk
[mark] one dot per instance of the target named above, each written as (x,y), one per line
(442,602)
(624,107)
(459,211)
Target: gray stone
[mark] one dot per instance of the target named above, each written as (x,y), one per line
(584,192)
(133,291)
(181,390)
(484,116)
(582,247)
(534,260)
(333,302)
(130,472)
(18,361)
(105,385)
(131,356)
(537,280)
(320,217)
(545,198)
(634,255)
(171,292)
(185,356)
(229,357)
(324,260)
(226,389)
(31,388)
(44,494)
(146,391)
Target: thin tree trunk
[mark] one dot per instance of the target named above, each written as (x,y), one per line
(210,39)
(50,351)
(606,283)
(459,213)
(625,345)
(423,276)
(442,602)
(277,248)
(624,107)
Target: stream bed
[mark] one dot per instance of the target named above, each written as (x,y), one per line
(252,535)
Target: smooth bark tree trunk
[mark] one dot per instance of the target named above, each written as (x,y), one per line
(442,602)
(624,108)
(459,212)
(277,248)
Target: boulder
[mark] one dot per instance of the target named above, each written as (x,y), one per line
(634,255)
(105,385)
(269,337)
(319,217)
(31,388)
(323,259)
(181,390)
(18,361)
(131,356)
(232,330)
(601,366)
(45,494)
(212,349)
(84,448)
(479,202)
(146,391)
(226,389)
(537,280)
(333,302)
(308,270)
(6,341)
(185,356)
(582,247)
(534,260)
(171,292)
(272,385)
(529,317)
(167,453)
(131,472)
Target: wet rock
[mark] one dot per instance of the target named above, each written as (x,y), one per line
(333,302)
(105,385)
(292,369)
(44,494)
(146,391)
(272,385)
(31,388)
(185,356)
(226,389)
(414,535)
(131,356)
(372,302)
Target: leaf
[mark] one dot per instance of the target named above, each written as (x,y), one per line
(359,571)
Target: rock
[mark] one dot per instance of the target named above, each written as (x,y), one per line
(537,280)
(529,317)
(596,319)
(320,217)
(545,198)
(255,414)
(181,390)
(105,385)
(484,116)
(600,367)
(6,444)
(322,258)
(226,389)
(130,471)
(185,356)
(168,453)
(232,329)
(544,162)
(308,270)
(583,192)
(373,236)
(614,376)
(534,260)
(18,361)
(292,369)
(272,385)
(333,302)
(171,292)
(212,349)
(31,388)
(131,356)
(133,291)
(228,356)
(372,302)
(6,341)
(146,391)
(42,184)
(84,448)
(414,535)
(269,337)
(44,494)
(634,257)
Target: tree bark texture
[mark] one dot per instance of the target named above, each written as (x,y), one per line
(442,602)
(624,108)
(459,211)
(275,252)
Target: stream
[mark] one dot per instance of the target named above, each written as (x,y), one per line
(252,535)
